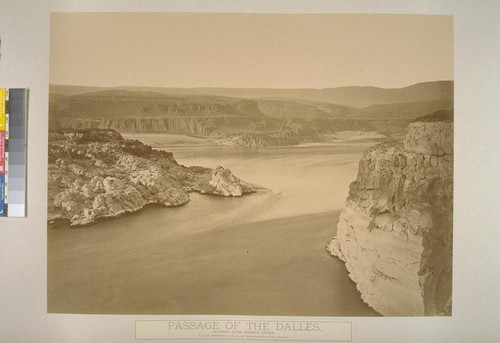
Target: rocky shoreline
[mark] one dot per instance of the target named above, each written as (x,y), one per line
(395,232)
(94,174)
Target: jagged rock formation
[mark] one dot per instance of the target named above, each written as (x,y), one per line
(97,174)
(395,232)
(281,138)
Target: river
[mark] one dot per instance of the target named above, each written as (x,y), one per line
(261,254)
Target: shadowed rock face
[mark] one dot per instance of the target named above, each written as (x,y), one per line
(97,174)
(395,232)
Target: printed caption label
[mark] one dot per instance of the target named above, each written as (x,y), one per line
(243,330)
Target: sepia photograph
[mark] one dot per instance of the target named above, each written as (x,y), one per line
(250,164)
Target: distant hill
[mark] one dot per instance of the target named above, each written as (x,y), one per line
(110,103)
(405,110)
(73,90)
(206,111)
(359,97)
(348,96)
(149,111)
(303,109)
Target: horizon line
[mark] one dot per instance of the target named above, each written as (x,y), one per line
(253,88)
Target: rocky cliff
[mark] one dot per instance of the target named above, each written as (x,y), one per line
(258,122)
(280,138)
(97,174)
(187,124)
(136,111)
(395,232)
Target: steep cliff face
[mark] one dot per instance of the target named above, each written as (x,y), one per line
(97,174)
(395,232)
(188,124)
(129,111)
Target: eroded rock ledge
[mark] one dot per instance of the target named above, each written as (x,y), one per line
(97,174)
(395,232)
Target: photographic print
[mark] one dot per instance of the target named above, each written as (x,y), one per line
(250,164)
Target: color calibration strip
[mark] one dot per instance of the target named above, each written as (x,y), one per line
(13,120)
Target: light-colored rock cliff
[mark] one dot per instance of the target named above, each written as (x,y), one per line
(395,232)
(97,174)
(281,138)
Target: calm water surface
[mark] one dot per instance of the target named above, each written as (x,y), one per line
(261,254)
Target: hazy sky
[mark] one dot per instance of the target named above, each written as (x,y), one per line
(249,50)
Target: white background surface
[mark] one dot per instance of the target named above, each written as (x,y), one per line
(25,33)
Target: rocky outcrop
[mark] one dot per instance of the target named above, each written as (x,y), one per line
(97,174)
(395,232)
(263,139)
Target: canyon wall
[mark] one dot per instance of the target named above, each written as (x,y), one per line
(395,232)
(95,174)
(240,130)
(187,124)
